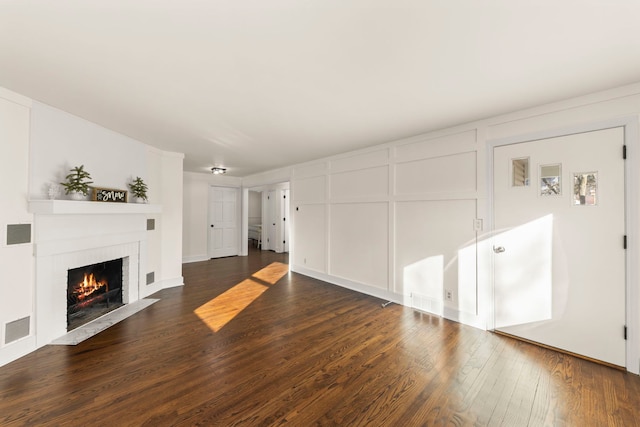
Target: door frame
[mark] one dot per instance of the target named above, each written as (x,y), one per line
(632,219)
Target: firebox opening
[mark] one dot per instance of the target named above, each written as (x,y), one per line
(93,291)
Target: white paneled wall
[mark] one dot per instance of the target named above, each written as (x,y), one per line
(396,221)
(311,237)
(360,184)
(435,251)
(359,242)
(446,175)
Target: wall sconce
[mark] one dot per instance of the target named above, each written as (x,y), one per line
(218,171)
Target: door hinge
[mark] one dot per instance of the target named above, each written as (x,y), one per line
(284,219)
(624,242)
(284,196)
(624,152)
(625,332)
(284,241)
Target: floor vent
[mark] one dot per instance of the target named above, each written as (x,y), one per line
(426,304)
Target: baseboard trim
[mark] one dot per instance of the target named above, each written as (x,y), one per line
(151,289)
(448,312)
(349,284)
(17,349)
(194,258)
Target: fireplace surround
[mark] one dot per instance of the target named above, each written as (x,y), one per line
(69,235)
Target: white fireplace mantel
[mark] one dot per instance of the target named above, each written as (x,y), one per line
(71,207)
(70,234)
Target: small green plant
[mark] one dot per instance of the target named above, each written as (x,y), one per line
(139,188)
(77,181)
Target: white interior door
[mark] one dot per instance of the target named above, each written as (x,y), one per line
(223,230)
(270,226)
(559,259)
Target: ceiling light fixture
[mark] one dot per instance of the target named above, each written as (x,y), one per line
(218,171)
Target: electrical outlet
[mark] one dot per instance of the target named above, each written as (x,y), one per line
(448,295)
(477,224)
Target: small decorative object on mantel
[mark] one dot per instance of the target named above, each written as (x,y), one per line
(77,184)
(54,190)
(109,195)
(139,189)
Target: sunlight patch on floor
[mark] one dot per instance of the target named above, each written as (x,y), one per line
(219,311)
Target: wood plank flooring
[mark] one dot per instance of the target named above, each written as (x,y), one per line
(302,352)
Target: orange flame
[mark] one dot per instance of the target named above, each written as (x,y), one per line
(88,286)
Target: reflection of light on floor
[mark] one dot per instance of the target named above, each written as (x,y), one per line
(272,273)
(223,308)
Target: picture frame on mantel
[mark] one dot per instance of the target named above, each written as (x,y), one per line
(111,195)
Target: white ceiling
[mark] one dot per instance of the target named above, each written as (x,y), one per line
(255,85)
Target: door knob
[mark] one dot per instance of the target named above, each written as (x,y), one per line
(498,249)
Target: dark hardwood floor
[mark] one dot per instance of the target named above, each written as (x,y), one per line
(303,353)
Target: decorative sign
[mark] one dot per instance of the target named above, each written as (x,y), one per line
(109,195)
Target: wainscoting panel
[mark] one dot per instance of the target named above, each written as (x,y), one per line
(436,252)
(359,242)
(448,174)
(309,189)
(437,147)
(359,184)
(310,236)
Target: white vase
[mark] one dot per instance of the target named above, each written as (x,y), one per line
(140,200)
(75,195)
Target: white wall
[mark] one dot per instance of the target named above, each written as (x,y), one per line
(395,221)
(60,141)
(195,210)
(398,220)
(164,172)
(16,261)
(171,226)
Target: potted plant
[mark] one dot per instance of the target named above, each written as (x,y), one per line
(139,189)
(77,184)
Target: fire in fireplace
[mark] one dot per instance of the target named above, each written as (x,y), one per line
(93,291)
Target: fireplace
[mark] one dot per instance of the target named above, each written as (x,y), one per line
(93,290)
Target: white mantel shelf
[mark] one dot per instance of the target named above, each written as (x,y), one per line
(71,207)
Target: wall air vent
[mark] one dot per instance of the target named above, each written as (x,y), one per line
(18,234)
(17,329)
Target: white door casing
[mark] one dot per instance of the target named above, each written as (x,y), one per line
(559,268)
